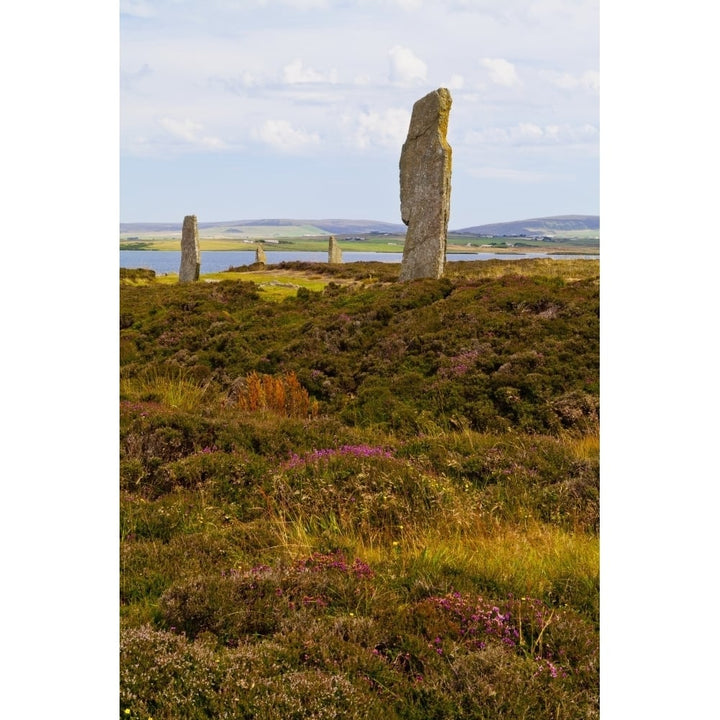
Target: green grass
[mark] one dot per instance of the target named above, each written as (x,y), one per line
(272,285)
(425,545)
(307,238)
(287,244)
(176,390)
(275,285)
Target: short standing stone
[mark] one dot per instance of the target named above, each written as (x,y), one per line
(425,169)
(260,255)
(334,252)
(189,251)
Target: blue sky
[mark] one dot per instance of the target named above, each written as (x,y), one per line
(298,108)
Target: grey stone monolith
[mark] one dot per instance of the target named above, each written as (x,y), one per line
(334,252)
(189,251)
(260,255)
(425,169)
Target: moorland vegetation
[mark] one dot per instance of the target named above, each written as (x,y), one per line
(370,500)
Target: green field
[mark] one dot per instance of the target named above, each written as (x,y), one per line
(294,243)
(366,243)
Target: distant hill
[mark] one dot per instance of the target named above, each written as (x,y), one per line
(234,226)
(337,225)
(550,226)
(556,225)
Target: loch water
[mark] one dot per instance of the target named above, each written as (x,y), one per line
(212,261)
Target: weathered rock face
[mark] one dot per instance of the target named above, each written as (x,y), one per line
(260,255)
(425,169)
(189,251)
(334,252)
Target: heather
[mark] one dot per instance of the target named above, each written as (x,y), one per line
(378,499)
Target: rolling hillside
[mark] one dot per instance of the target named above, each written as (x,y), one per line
(560,225)
(556,225)
(266,228)
(563,228)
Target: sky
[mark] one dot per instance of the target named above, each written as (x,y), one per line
(249,109)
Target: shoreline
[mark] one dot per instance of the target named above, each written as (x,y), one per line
(525,250)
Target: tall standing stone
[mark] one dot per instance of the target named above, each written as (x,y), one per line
(425,168)
(189,251)
(334,252)
(260,255)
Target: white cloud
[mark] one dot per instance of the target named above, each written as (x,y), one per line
(565,81)
(130,80)
(564,11)
(282,136)
(190,132)
(402,4)
(248,79)
(457,82)
(295,72)
(589,80)
(137,8)
(296,4)
(384,129)
(501,71)
(487,136)
(527,133)
(409,4)
(309,98)
(510,174)
(406,68)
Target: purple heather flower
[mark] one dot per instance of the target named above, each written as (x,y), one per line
(344,451)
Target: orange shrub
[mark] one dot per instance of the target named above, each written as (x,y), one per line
(280,394)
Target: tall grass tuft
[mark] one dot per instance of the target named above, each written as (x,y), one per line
(174,388)
(586,447)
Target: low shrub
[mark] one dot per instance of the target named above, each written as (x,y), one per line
(538,477)
(151,564)
(283,395)
(164,676)
(136,274)
(237,604)
(363,488)
(313,694)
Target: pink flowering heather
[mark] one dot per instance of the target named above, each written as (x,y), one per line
(361,451)
(549,667)
(478,619)
(318,562)
(460,364)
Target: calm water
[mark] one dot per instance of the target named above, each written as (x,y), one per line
(168,261)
